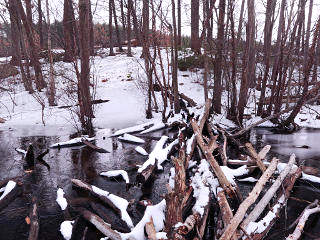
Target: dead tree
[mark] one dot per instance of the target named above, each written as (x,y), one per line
(40,28)
(175,62)
(116,25)
(69,32)
(248,73)
(217,91)
(84,97)
(195,41)
(52,87)
(111,53)
(129,54)
(16,39)
(40,83)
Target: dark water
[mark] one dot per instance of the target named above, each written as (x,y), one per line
(84,164)
(67,163)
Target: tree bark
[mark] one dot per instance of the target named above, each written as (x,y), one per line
(195,41)
(86,112)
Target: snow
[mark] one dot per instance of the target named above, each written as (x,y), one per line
(61,199)
(157,213)
(171,178)
(189,144)
(248,179)
(137,128)
(115,173)
(119,202)
(155,127)
(141,151)
(24,152)
(72,142)
(310,178)
(259,227)
(131,138)
(203,182)
(66,229)
(161,235)
(10,185)
(232,173)
(159,153)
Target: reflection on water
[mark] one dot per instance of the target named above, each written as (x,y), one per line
(66,163)
(304,144)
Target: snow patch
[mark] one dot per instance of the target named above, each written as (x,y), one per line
(141,151)
(61,199)
(66,229)
(115,173)
(10,185)
(131,138)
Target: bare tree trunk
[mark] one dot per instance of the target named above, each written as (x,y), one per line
(111,53)
(123,19)
(240,21)
(52,87)
(40,29)
(40,83)
(275,68)
(267,50)
(175,62)
(217,90)
(16,38)
(129,54)
(69,32)
(179,23)
(86,112)
(117,27)
(195,41)
(135,22)
(92,53)
(248,60)
(232,111)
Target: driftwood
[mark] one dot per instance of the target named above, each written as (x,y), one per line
(94,147)
(100,225)
(310,209)
(282,198)
(98,101)
(122,212)
(34,222)
(236,220)
(255,213)
(256,157)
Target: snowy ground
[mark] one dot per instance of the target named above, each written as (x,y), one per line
(121,80)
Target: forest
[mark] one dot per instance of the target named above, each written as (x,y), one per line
(151,119)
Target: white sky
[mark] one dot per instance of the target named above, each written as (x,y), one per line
(100,9)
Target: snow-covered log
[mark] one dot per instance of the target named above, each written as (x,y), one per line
(137,128)
(256,157)
(141,151)
(73,142)
(157,213)
(260,206)
(257,230)
(11,191)
(253,195)
(115,202)
(116,173)
(310,209)
(156,158)
(155,127)
(130,138)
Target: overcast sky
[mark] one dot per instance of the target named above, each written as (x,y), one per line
(100,9)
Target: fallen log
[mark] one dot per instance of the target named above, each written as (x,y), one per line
(115,202)
(98,101)
(253,195)
(11,192)
(258,230)
(94,147)
(261,205)
(34,222)
(100,225)
(310,209)
(256,157)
